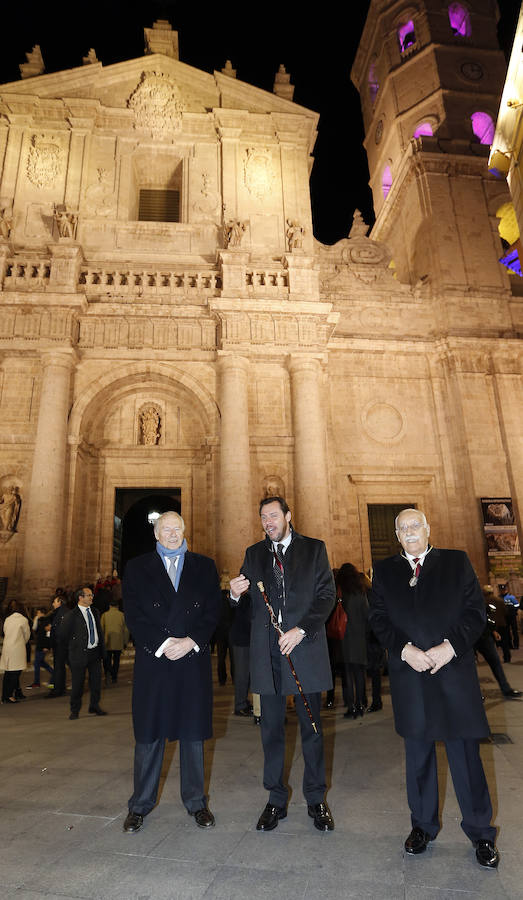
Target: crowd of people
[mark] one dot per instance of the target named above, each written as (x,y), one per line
(286,604)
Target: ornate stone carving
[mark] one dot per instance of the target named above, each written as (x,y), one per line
(233,232)
(258,172)
(383,422)
(90,59)
(294,235)
(6,222)
(99,198)
(207,201)
(10,503)
(150,425)
(66,222)
(157,104)
(43,161)
(273,486)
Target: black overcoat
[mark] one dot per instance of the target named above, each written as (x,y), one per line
(446,603)
(310,597)
(171,698)
(74,636)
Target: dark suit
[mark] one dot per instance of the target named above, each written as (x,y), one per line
(445,603)
(171,698)
(309,598)
(73,635)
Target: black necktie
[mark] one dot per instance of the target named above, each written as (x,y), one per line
(90,624)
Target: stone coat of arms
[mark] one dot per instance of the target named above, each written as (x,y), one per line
(157,104)
(43,161)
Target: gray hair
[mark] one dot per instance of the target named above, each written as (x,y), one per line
(408,509)
(170,512)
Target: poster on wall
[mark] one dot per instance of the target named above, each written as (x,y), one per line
(501,536)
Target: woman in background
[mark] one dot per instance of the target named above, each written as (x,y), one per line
(17,632)
(353,587)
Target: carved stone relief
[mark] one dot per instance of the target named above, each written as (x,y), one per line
(43,161)
(150,425)
(10,504)
(157,104)
(258,172)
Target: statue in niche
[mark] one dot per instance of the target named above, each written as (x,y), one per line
(66,222)
(6,222)
(150,426)
(10,504)
(294,235)
(273,486)
(233,232)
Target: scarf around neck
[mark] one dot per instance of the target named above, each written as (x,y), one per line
(180,551)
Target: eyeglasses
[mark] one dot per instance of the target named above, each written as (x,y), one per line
(413,526)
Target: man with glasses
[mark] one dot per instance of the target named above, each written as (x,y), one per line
(82,636)
(427,609)
(172,602)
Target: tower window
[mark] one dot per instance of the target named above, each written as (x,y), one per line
(483,127)
(159,206)
(406,36)
(423,128)
(386,180)
(373,81)
(459,18)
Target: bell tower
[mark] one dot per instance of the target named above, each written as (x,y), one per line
(430,75)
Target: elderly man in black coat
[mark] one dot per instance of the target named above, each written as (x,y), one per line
(427,609)
(298,580)
(172,604)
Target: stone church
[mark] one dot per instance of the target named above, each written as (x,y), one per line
(173,336)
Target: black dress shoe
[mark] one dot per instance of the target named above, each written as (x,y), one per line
(375,706)
(417,841)
(96,711)
(512,693)
(73,715)
(487,854)
(133,822)
(257,720)
(246,713)
(203,817)
(270,817)
(351,713)
(321,814)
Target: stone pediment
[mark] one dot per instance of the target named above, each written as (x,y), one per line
(112,86)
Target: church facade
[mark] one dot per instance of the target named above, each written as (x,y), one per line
(168,323)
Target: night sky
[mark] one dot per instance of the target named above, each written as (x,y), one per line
(316,51)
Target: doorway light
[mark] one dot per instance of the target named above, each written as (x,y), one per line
(152,516)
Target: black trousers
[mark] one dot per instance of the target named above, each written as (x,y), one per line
(469,782)
(241,657)
(148,759)
(112,663)
(92,665)
(10,683)
(273,707)
(487,647)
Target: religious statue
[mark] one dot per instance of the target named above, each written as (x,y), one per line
(150,425)
(294,235)
(6,222)
(10,503)
(233,232)
(66,222)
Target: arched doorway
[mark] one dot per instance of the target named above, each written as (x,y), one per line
(134,516)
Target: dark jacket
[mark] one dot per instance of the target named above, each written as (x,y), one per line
(310,597)
(171,698)
(74,636)
(447,602)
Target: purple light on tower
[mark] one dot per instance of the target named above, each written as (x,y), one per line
(483,127)
(424,128)
(373,82)
(386,180)
(406,35)
(459,18)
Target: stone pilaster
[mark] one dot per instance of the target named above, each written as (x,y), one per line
(235,499)
(43,553)
(66,259)
(311,484)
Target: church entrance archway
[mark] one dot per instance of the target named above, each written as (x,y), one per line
(135,511)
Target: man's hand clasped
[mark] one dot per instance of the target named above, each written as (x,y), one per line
(176,648)
(431,660)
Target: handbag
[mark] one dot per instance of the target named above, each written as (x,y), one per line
(337,624)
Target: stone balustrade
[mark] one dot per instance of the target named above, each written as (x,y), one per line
(263,280)
(132,281)
(27,274)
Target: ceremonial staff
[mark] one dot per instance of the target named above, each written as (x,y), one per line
(280,631)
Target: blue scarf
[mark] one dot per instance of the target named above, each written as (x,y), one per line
(172,554)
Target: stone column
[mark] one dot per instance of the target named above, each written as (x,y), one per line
(235,515)
(43,553)
(311,484)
